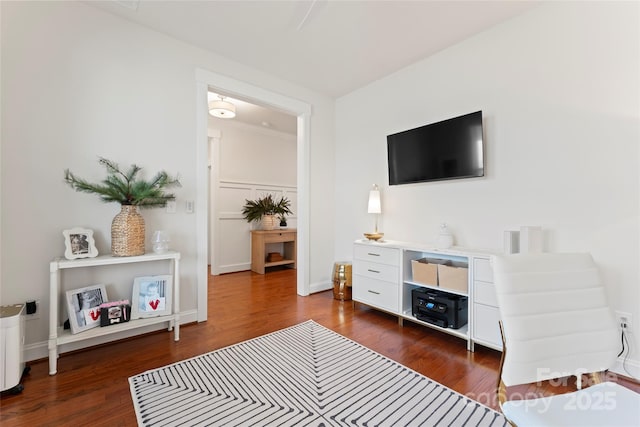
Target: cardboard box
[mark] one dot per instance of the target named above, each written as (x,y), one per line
(453,276)
(424,272)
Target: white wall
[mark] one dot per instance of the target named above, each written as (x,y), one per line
(78,83)
(254,154)
(559,89)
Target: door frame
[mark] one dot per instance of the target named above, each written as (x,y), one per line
(206,80)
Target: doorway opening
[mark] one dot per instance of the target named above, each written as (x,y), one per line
(207,81)
(252,155)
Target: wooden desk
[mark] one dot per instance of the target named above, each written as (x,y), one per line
(259,241)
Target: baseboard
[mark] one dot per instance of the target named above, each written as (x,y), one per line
(38,351)
(320,287)
(630,369)
(232,268)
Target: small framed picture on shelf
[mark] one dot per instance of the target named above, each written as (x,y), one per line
(79,243)
(83,307)
(115,312)
(151,296)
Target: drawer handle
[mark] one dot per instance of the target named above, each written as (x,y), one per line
(373,292)
(372,254)
(373,271)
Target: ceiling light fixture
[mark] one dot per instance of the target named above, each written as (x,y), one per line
(222,109)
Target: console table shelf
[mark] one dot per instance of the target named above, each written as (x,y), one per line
(59,336)
(65,336)
(276,263)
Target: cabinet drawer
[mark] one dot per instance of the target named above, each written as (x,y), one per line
(279,237)
(485,293)
(377,254)
(374,270)
(485,325)
(482,270)
(377,293)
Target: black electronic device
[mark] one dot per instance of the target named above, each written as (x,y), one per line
(440,308)
(449,149)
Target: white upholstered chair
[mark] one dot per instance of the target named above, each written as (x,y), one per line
(556,323)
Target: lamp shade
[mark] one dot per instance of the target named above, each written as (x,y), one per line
(374,201)
(222,109)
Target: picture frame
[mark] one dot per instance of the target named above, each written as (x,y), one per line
(83,307)
(79,243)
(115,312)
(151,296)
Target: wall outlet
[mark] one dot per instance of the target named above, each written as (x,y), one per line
(35,315)
(624,321)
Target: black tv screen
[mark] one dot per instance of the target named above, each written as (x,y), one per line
(449,149)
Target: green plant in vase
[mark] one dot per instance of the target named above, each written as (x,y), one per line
(131,192)
(267,210)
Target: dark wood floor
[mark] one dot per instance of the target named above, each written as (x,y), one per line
(91,386)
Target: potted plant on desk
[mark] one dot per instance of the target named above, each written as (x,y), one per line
(266,210)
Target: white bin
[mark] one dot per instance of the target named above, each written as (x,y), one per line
(12,325)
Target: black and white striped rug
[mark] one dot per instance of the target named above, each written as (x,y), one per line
(305,375)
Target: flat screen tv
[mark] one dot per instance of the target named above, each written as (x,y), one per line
(450,149)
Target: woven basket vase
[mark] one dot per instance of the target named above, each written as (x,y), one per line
(269,222)
(127,232)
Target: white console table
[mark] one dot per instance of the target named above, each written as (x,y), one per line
(382,279)
(59,336)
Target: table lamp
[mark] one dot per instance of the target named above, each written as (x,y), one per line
(374,208)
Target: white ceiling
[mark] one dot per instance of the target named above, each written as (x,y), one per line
(330,46)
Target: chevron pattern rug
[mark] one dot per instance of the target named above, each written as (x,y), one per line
(305,375)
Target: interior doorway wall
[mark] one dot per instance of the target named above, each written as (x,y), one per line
(206,80)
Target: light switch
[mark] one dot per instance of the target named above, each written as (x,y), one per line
(189,206)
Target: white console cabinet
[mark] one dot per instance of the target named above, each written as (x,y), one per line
(382,279)
(59,336)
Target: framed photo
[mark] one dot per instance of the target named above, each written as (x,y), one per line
(79,243)
(151,296)
(83,307)
(112,313)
